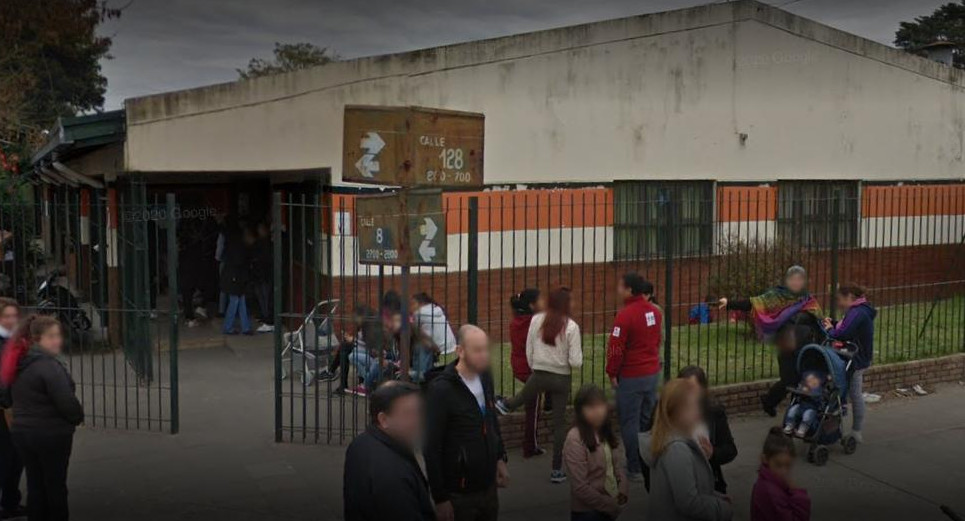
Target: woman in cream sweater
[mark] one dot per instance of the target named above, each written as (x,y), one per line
(554,348)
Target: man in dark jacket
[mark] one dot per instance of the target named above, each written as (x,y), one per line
(382,478)
(464,452)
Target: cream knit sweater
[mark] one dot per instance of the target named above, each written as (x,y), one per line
(559,358)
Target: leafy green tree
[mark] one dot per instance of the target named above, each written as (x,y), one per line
(288,57)
(947,23)
(49,61)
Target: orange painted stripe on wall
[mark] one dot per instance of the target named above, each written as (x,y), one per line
(913,200)
(746,203)
(531,209)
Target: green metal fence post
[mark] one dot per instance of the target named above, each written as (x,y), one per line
(172,247)
(668,290)
(277,289)
(835,246)
(472,293)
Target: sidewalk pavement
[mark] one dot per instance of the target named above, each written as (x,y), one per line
(225,465)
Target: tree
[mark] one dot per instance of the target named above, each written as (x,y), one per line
(49,60)
(288,57)
(947,23)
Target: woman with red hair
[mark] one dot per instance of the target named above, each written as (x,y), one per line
(554,348)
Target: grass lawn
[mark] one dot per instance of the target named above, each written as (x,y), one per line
(731,354)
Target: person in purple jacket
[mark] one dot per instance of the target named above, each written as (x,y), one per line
(857,326)
(775,498)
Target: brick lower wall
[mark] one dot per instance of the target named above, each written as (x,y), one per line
(743,398)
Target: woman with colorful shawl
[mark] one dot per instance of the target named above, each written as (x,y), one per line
(771,311)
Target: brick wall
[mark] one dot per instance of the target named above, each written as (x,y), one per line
(744,398)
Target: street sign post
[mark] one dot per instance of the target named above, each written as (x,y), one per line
(407,228)
(412,146)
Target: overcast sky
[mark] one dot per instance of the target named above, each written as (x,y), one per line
(162,45)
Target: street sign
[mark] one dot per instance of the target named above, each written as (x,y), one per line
(402,229)
(412,146)
(379,230)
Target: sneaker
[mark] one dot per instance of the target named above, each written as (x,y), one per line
(192,323)
(769,410)
(557,476)
(538,451)
(201,312)
(635,477)
(802,431)
(501,406)
(788,429)
(857,436)
(265,328)
(358,391)
(327,376)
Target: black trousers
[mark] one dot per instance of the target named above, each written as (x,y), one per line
(266,301)
(476,506)
(45,455)
(11,469)
(787,368)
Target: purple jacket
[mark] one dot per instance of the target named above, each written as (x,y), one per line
(858,326)
(773,500)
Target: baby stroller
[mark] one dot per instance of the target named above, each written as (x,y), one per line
(837,364)
(308,348)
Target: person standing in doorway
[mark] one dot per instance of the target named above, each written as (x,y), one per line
(464,452)
(554,347)
(382,478)
(263,276)
(525,305)
(11,467)
(633,364)
(46,412)
(234,279)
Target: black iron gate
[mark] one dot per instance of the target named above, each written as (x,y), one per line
(103,261)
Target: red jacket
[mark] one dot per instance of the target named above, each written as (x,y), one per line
(773,500)
(634,348)
(518,331)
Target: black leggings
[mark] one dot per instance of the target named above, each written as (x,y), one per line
(45,455)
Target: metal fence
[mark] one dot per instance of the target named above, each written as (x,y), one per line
(101,261)
(696,242)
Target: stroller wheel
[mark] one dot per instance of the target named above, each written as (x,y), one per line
(820,455)
(850,444)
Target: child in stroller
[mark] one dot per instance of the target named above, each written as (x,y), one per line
(803,413)
(825,426)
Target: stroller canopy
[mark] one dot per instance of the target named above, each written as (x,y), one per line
(814,357)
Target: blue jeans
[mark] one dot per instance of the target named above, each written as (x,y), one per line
(800,414)
(366,366)
(236,306)
(421,362)
(636,398)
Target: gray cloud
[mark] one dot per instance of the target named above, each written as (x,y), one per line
(162,45)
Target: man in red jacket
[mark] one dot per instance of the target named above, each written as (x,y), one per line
(633,363)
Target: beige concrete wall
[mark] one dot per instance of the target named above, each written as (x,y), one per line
(663,96)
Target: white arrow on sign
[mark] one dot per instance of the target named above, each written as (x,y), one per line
(428,230)
(367,165)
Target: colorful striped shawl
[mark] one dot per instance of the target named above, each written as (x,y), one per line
(776,306)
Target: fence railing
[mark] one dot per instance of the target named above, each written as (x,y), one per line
(98,261)
(695,243)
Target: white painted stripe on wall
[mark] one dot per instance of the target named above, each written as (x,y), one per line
(553,247)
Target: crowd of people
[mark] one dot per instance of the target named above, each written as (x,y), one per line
(223,263)
(672,438)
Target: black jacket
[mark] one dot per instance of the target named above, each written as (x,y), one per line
(463,443)
(383,481)
(237,264)
(725,450)
(43,395)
